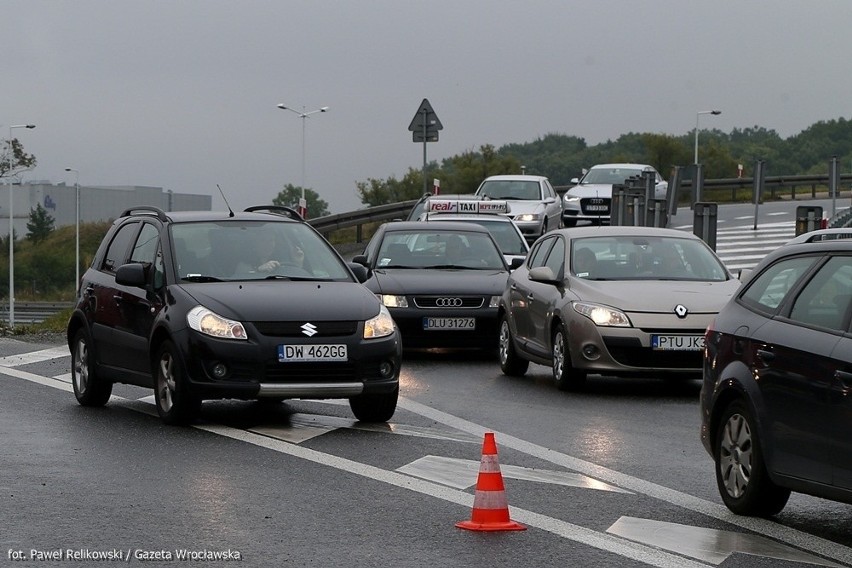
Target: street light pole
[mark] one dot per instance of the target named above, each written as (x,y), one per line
(77,229)
(12,227)
(303,115)
(698,114)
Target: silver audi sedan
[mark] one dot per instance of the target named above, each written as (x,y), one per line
(619,301)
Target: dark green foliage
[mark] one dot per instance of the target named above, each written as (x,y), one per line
(561,157)
(40,224)
(291,194)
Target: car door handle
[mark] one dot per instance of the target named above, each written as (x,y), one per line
(765,355)
(844,377)
(117,299)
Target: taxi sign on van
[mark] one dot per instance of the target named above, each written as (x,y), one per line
(467,206)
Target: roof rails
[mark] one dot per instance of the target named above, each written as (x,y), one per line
(145,210)
(277,210)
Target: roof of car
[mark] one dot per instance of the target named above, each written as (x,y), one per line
(434,226)
(518,177)
(263,212)
(822,235)
(620,230)
(622,165)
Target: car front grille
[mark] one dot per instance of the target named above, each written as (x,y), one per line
(275,372)
(297,328)
(449,302)
(595,205)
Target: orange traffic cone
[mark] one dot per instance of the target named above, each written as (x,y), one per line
(490,508)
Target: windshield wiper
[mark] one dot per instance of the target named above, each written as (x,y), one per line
(201,278)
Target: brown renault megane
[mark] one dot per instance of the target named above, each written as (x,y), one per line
(627,301)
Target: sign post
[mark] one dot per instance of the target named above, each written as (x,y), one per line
(424,127)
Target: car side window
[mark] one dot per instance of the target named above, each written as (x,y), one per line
(556,258)
(824,301)
(767,290)
(117,250)
(146,245)
(539,254)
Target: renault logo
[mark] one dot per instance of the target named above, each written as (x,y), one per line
(309,329)
(448,302)
(681,311)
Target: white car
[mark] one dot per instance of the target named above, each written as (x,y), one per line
(535,206)
(591,198)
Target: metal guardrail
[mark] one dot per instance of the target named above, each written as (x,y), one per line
(33,312)
(361,217)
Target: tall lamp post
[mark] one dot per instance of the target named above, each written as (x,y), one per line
(303,115)
(12,227)
(77,228)
(697,115)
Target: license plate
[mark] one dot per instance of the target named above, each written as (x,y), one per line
(302,353)
(677,342)
(597,208)
(435,324)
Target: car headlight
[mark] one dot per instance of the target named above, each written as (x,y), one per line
(210,323)
(570,198)
(392,301)
(380,326)
(495,302)
(603,316)
(527,217)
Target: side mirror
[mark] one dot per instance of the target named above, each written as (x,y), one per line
(360,259)
(516,263)
(543,274)
(131,275)
(575,180)
(361,272)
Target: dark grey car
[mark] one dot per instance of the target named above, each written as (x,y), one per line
(776,402)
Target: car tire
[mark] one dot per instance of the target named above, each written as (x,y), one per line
(379,407)
(89,388)
(176,405)
(565,375)
(741,474)
(510,363)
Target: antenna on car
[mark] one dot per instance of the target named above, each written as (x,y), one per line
(231,211)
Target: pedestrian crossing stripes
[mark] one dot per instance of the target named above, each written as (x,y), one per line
(742,247)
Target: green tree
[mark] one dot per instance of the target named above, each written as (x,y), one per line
(40,224)
(379,192)
(13,152)
(291,194)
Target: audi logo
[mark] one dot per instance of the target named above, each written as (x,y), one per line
(448,302)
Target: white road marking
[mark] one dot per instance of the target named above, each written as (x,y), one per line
(34,357)
(707,545)
(461,474)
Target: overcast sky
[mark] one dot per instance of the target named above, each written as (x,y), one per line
(182,94)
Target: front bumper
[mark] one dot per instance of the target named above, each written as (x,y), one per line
(253,370)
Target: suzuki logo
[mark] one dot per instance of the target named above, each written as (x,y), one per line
(681,311)
(309,329)
(448,302)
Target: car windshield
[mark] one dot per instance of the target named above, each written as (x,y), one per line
(438,249)
(253,250)
(511,189)
(629,257)
(507,236)
(609,176)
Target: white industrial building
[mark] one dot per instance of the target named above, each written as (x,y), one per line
(97,203)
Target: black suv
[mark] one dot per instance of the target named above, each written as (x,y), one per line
(212,305)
